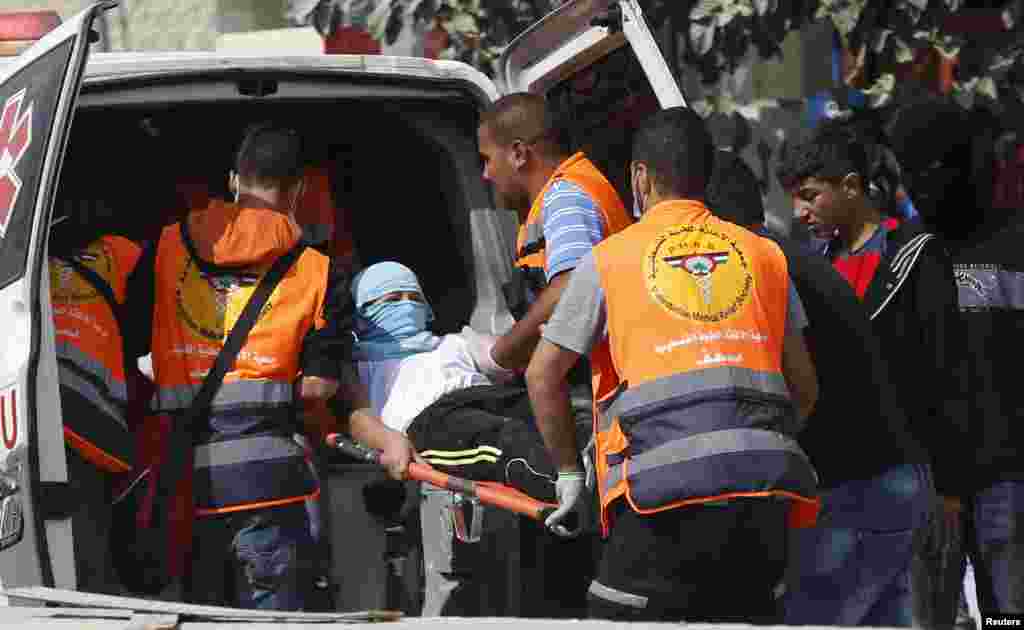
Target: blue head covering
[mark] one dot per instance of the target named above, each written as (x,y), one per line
(395,329)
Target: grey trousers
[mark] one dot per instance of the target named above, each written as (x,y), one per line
(469,579)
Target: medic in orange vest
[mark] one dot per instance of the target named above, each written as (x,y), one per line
(88,278)
(250,477)
(702,379)
(565,206)
(90,349)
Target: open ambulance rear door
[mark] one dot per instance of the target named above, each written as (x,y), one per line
(37,98)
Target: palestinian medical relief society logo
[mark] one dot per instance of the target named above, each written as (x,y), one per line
(15,139)
(211,304)
(698,273)
(70,287)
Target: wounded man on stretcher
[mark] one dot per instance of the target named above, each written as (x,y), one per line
(429,387)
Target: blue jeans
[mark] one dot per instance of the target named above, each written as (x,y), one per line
(259,559)
(995,541)
(991,533)
(853,567)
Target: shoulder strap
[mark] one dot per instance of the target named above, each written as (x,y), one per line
(179,445)
(96,280)
(240,331)
(104,288)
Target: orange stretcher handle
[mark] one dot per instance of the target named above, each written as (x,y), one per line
(489,493)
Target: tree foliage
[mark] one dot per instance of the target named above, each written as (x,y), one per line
(714,36)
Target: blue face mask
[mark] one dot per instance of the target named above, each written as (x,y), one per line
(391,330)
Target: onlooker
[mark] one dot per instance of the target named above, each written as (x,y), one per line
(701,383)
(951,177)
(872,474)
(902,276)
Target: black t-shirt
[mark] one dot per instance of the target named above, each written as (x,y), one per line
(857,429)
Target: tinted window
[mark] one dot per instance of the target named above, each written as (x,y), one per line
(28,100)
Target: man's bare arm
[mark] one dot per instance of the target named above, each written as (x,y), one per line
(513,350)
(549,395)
(365,426)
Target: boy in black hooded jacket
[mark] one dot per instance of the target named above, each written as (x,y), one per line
(902,276)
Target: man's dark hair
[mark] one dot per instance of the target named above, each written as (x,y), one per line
(734,194)
(270,153)
(677,148)
(529,118)
(831,153)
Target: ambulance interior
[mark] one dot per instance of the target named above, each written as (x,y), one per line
(138,169)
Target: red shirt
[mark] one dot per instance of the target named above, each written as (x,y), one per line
(859,267)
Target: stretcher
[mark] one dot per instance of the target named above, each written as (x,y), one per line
(489,493)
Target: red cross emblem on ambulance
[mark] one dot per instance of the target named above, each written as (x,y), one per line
(15,138)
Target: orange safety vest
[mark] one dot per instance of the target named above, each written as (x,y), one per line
(249,460)
(90,353)
(530,245)
(690,397)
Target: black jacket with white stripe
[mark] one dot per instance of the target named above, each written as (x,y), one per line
(912,304)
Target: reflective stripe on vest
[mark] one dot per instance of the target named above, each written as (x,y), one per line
(84,386)
(90,352)
(249,449)
(691,406)
(231,396)
(91,419)
(702,450)
(113,385)
(265,464)
(530,245)
(686,388)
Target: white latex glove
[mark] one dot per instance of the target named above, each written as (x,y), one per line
(569,490)
(146,366)
(479,346)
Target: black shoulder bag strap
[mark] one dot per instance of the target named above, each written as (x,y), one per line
(182,437)
(96,280)
(105,290)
